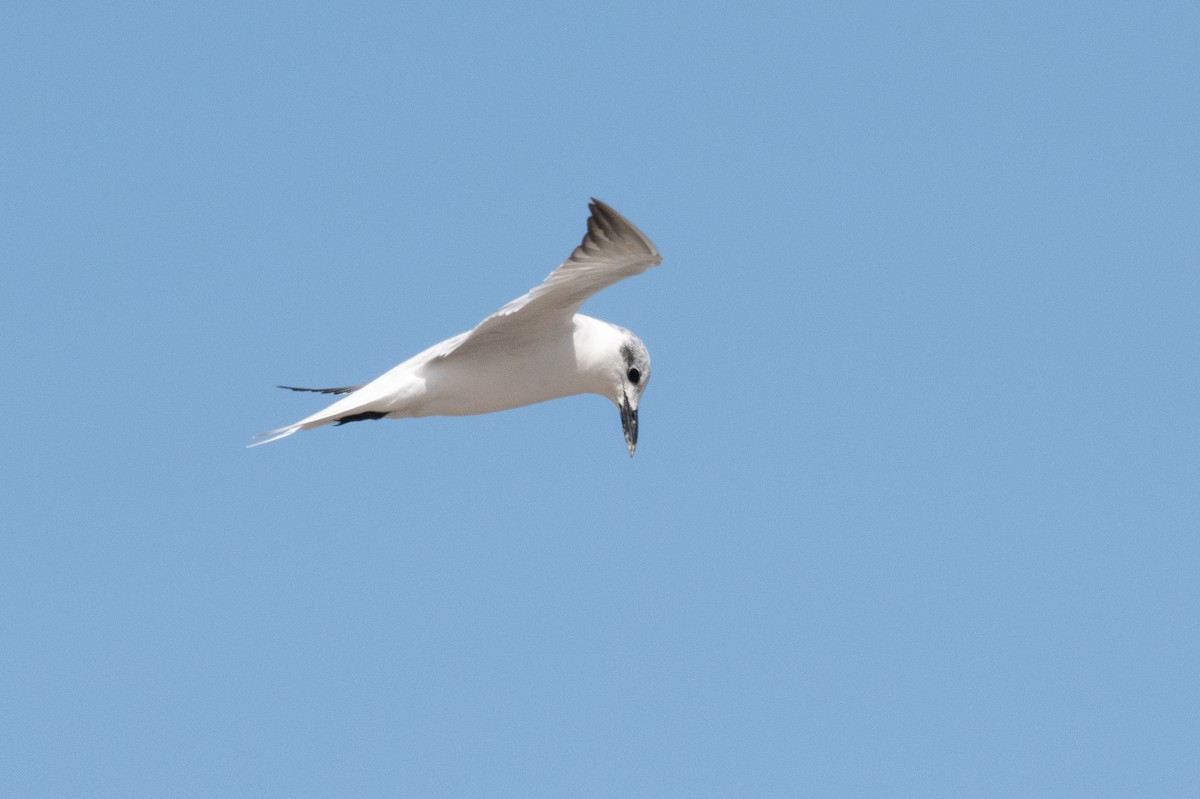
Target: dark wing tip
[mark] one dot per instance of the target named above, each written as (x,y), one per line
(610,233)
(338,390)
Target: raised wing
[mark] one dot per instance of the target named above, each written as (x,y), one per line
(611,250)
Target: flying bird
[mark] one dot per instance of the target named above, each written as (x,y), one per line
(535,348)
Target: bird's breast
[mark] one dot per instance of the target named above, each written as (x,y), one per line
(507,378)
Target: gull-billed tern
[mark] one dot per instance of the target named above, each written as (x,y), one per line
(535,348)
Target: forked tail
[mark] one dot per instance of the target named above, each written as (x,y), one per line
(274,435)
(344,411)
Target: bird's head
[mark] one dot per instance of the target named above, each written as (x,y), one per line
(630,378)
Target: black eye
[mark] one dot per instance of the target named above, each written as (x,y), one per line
(634,376)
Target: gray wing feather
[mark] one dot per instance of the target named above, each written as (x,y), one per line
(338,390)
(611,250)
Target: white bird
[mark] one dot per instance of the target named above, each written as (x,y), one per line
(535,348)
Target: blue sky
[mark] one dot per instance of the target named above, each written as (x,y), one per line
(914,510)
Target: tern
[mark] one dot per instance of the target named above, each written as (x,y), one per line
(535,348)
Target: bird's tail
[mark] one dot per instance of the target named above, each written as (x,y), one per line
(354,408)
(274,435)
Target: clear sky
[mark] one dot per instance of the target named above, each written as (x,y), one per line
(916,506)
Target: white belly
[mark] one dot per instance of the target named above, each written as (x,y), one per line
(461,387)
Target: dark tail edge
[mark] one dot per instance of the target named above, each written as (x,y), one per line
(360,417)
(339,390)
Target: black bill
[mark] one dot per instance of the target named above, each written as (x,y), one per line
(629,423)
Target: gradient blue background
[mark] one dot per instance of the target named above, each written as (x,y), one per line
(915,511)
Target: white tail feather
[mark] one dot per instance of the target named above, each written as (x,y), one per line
(355,403)
(274,435)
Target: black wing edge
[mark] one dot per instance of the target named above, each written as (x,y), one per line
(338,390)
(607,228)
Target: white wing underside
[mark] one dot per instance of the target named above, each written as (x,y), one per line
(611,250)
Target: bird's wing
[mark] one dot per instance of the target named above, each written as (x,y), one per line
(611,250)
